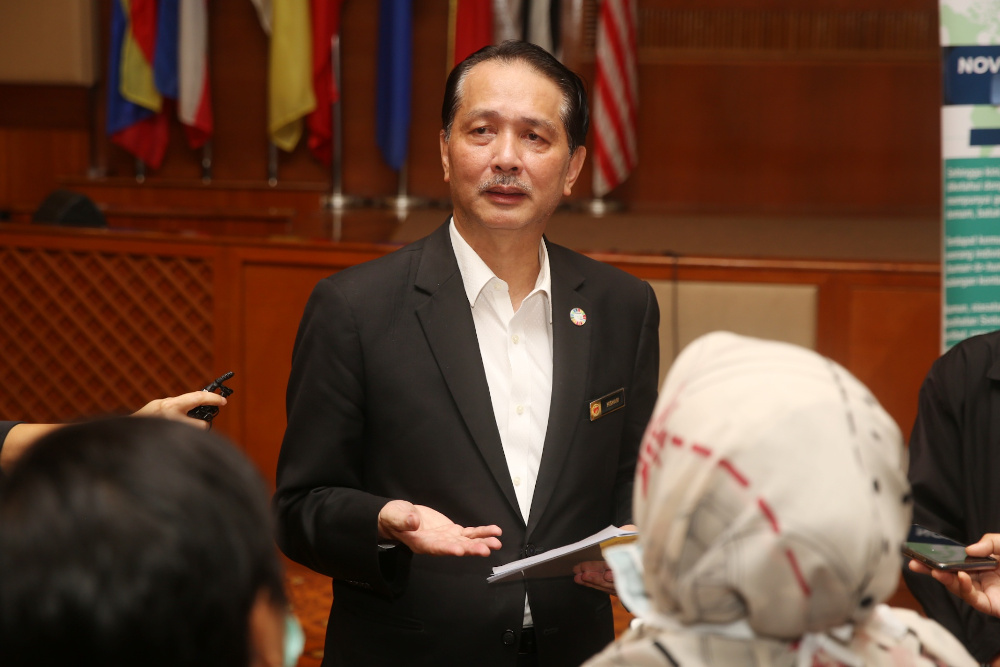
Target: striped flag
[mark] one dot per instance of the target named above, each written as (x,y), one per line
(141,131)
(194,106)
(616,93)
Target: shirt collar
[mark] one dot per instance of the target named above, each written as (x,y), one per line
(476,274)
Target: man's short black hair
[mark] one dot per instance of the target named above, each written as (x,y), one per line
(575,112)
(133,541)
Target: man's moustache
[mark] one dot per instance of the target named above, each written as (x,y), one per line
(505,181)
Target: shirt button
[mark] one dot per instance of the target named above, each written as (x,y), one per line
(517,481)
(508,637)
(515,338)
(520,409)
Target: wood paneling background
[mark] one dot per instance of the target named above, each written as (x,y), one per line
(747,106)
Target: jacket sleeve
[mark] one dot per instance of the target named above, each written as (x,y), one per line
(645,381)
(939,474)
(324,520)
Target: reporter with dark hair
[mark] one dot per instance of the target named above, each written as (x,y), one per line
(130,542)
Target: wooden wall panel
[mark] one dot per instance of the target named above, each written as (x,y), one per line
(273,299)
(809,137)
(747,106)
(883,321)
(87,331)
(34,160)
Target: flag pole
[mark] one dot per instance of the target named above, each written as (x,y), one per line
(337,200)
(403,203)
(206,162)
(272,164)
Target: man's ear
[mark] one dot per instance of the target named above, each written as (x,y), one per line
(266,632)
(575,167)
(444,157)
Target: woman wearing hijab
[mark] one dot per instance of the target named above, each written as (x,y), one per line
(771,499)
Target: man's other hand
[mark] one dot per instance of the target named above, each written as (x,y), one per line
(426,531)
(597,574)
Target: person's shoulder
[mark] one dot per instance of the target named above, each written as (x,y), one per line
(973,351)
(386,272)
(600,273)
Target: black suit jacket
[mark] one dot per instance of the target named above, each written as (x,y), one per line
(955,473)
(388,399)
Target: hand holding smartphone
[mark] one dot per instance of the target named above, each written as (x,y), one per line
(942,553)
(208,412)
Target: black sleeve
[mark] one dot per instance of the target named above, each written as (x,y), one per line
(645,378)
(325,520)
(946,479)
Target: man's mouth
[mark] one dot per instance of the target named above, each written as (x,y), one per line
(504,187)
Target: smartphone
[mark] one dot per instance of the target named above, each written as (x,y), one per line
(208,412)
(942,553)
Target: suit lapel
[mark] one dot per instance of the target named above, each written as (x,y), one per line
(570,354)
(451,333)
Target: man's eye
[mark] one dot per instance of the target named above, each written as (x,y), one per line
(481,130)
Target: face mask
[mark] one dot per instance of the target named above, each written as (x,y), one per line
(295,640)
(625,560)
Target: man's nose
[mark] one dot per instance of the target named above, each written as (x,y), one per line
(506,153)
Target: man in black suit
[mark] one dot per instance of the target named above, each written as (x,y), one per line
(481,392)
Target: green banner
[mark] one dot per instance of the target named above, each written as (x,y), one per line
(970,147)
(971,262)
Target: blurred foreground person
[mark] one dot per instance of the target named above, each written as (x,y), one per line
(771,499)
(128,542)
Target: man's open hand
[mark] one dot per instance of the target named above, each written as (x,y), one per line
(426,531)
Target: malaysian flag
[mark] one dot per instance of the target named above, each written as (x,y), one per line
(616,95)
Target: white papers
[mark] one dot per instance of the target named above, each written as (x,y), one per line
(560,562)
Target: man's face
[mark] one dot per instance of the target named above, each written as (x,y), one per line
(507,159)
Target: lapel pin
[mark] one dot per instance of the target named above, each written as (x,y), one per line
(577,317)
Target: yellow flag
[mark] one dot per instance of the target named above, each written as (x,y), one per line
(290,76)
(136,84)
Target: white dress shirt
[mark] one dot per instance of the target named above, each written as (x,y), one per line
(516,348)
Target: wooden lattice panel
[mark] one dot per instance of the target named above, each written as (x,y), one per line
(87,333)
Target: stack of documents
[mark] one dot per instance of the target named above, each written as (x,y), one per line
(560,562)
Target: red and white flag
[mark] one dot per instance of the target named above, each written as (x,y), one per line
(194,105)
(616,93)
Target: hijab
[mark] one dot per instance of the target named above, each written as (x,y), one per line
(771,499)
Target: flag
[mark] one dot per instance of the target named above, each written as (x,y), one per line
(138,49)
(541,24)
(264,14)
(165,50)
(290,92)
(616,95)
(507,21)
(194,105)
(395,65)
(139,130)
(470,28)
(326,26)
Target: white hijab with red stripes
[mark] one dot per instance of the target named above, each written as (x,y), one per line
(771,499)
